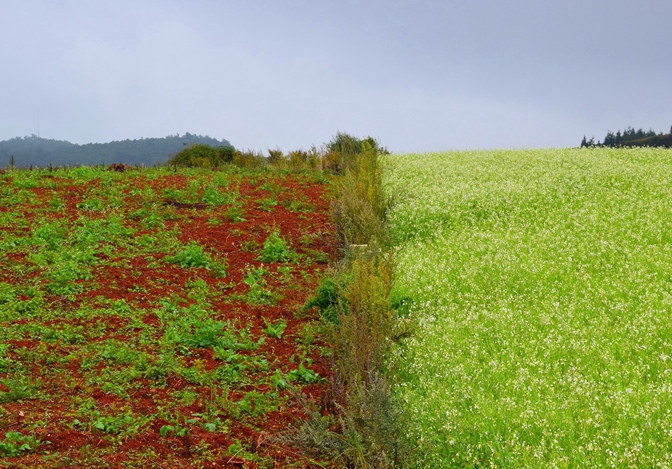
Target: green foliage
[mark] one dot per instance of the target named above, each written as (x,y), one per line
(123,424)
(167,430)
(343,149)
(328,296)
(302,373)
(235,213)
(16,443)
(201,155)
(360,211)
(541,283)
(208,333)
(213,195)
(275,330)
(258,293)
(254,404)
(205,334)
(275,248)
(191,255)
(249,159)
(19,388)
(355,299)
(267,204)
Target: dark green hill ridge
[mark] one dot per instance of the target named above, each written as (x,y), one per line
(37,151)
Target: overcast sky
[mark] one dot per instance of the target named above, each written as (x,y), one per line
(418,75)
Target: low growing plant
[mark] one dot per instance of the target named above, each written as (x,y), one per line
(16,443)
(275,330)
(275,248)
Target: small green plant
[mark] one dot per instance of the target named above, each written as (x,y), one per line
(16,443)
(214,196)
(191,255)
(279,380)
(255,403)
(302,373)
(298,204)
(275,248)
(258,293)
(200,334)
(275,330)
(91,204)
(249,245)
(267,205)
(19,388)
(56,202)
(180,431)
(235,213)
(328,296)
(319,256)
(285,273)
(5,361)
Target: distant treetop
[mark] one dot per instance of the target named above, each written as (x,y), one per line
(631,137)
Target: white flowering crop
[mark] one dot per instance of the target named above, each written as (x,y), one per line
(541,281)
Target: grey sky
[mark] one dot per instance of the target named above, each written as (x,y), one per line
(418,75)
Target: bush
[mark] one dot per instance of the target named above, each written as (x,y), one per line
(360,212)
(358,424)
(202,155)
(342,148)
(328,297)
(276,158)
(249,159)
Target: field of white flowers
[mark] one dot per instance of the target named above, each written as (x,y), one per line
(541,281)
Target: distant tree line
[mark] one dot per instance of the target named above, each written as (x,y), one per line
(42,152)
(631,137)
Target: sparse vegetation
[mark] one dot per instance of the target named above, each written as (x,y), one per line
(363,424)
(131,312)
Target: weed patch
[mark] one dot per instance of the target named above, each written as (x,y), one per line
(363,425)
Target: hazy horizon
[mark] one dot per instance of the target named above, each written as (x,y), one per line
(418,76)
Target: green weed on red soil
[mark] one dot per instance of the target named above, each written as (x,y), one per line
(150,319)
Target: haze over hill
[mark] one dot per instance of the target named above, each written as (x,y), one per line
(36,151)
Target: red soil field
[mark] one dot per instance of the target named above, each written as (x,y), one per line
(94,366)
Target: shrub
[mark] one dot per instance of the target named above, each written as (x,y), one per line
(358,424)
(248,159)
(343,148)
(328,296)
(360,211)
(276,158)
(202,155)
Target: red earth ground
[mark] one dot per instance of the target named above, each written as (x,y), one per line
(66,376)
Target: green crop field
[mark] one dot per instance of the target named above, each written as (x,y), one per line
(541,283)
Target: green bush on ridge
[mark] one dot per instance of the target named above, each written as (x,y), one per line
(202,155)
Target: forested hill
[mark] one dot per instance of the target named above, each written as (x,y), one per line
(36,151)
